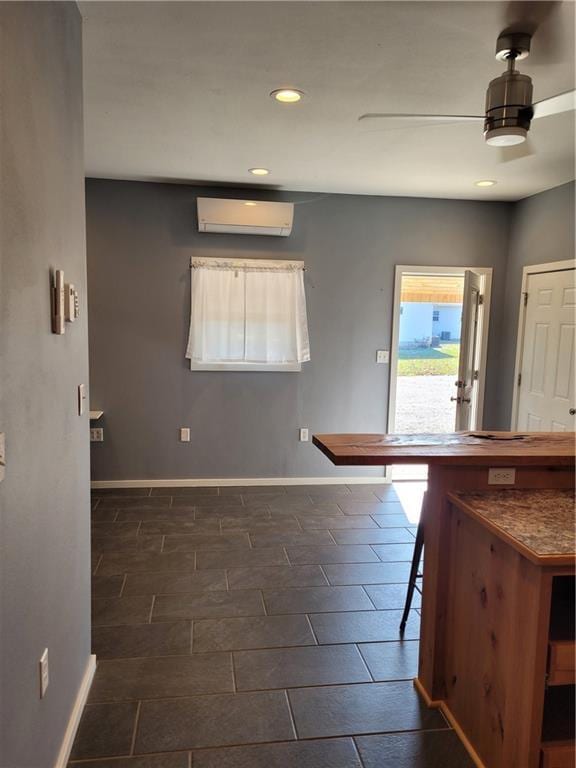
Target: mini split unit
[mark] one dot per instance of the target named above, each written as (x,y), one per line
(245,217)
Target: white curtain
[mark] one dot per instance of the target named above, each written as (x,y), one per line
(248,311)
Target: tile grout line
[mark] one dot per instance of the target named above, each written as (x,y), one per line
(123,584)
(95,571)
(309,620)
(151,609)
(189,752)
(300,687)
(363,586)
(234,680)
(292,719)
(328,583)
(365,662)
(136,723)
(357,750)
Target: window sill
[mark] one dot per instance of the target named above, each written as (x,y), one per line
(247,367)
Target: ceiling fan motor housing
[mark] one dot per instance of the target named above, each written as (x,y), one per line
(508,109)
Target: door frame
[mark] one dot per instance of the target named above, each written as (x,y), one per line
(484,321)
(531,269)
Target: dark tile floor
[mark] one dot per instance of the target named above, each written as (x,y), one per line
(256,628)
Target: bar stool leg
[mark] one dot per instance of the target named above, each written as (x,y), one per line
(418,547)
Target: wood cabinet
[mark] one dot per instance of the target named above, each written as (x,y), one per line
(508,628)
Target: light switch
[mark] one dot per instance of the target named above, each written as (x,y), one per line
(303,434)
(382,356)
(44,673)
(2,455)
(184,434)
(81,399)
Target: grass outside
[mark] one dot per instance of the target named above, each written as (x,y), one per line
(439,361)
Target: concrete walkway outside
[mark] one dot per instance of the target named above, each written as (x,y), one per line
(423,404)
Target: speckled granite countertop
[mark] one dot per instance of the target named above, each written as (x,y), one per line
(542,523)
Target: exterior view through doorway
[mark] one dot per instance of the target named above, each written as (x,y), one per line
(437,364)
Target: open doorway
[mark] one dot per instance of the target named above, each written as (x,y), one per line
(438,352)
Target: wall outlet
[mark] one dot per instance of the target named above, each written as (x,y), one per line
(382,356)
(44,673)
(97,435)
(184,434)
(303,434)
(501,476)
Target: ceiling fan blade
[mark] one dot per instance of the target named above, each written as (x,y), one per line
(390,116)
(563,102)
(517,151)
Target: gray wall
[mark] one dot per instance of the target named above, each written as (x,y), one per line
(140,240)
(542,231)
(44,498)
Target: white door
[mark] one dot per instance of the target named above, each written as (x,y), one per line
(546,401)
(467,384)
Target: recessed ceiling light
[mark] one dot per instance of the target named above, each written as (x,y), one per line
(249,202)
(485,183)
(259,171)
(287,95)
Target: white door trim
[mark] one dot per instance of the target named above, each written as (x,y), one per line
(532,269)
(401,269)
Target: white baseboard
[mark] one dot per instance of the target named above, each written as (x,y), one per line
(240,481)
(76,714)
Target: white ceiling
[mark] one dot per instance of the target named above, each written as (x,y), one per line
(179,92)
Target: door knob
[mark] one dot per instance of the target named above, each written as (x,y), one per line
(572,411)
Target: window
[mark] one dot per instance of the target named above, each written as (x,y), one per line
(247,314)
(435,315)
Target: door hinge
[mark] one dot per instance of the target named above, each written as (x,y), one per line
(525,299)
(476,375)
(480,299)
(519,379)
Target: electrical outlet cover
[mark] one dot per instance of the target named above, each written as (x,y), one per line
(501,476)
(382,356)
(44,673)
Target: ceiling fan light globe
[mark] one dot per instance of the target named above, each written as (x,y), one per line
(505,137)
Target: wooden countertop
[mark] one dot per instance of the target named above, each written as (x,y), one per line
(456,448)
(539,524)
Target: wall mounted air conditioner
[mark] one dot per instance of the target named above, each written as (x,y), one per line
(245,217)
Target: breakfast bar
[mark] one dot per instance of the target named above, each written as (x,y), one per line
(498,575)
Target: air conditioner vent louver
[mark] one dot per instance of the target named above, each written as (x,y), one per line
(245,217)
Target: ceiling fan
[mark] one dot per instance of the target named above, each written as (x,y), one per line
(509,107)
